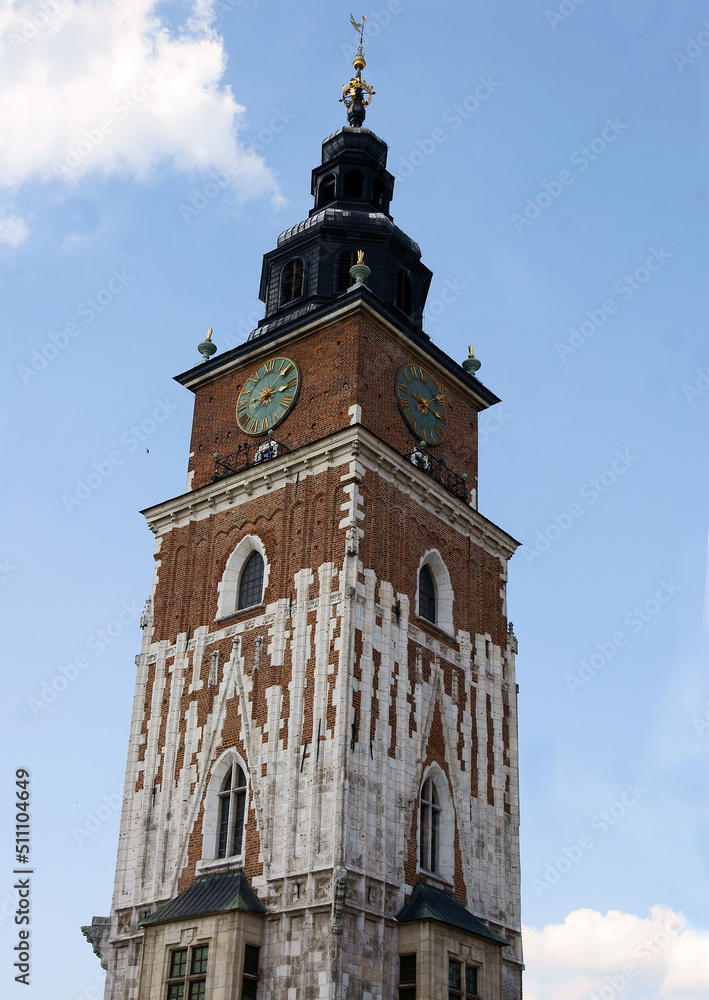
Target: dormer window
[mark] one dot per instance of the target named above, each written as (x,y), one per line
(292,282)
(354,184)
(403,292)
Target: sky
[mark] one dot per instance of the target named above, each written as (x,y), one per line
(551,161)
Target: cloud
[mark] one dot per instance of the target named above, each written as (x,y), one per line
(13,230)
(595,957)
(107,87)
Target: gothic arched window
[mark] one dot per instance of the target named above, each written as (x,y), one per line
(232,812)
(429,826)
(344,278)
(427,595)
(326,191)
(353,184)
(292,283)
(251,582)
(404,292)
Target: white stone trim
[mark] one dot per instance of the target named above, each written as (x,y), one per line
(442,585)
(228,588)
(210,819)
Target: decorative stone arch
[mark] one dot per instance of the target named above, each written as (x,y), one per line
(446,830)
(210,819)
(228,588)
(442,584)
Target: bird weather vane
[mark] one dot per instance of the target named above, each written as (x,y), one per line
(357,94)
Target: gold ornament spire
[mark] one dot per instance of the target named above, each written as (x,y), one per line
(357,94)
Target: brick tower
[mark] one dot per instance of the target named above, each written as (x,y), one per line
(321,795)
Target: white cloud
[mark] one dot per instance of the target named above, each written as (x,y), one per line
(106,87)
(595,957)
(13,230)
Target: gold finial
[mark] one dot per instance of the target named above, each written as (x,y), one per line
(360,256)
(357,94)
(208,338)
(471,351)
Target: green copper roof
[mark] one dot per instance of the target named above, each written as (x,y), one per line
(209,894)
(427,903)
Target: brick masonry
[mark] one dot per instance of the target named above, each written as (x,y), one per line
(335,695)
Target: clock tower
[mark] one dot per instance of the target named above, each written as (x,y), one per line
(321,795)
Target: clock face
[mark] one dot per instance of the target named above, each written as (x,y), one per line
(268,396)
(421,404)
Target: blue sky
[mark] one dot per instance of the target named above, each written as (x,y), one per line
(551,161)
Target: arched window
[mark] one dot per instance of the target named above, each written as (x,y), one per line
(326,191)
(378,192)
(232,810)
(353,184)
(434,593)
(251,582)
(229,591)
(292,283)
(427,595)
(429,827)
(345,262)
(403,292)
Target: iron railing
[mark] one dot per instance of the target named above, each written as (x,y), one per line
(437,469)
(246,456)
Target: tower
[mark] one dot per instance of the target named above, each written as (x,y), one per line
(321,794)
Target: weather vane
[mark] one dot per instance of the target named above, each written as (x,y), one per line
(357,94)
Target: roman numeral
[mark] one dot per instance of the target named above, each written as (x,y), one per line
(288,366)
(270,365)
(287,400)
(405,374)
(405,403)
(253,426)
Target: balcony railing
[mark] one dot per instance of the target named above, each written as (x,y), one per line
(246,456)
(437,469)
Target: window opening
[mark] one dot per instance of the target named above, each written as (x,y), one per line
(292,285)
(457,989)
(326,190)
(407,977)
(232,809)
(251,583)
(430,821)
(403,292)
(378,191)
(249,983)
(344,278)
(427,595)
(353,184)
(187,978)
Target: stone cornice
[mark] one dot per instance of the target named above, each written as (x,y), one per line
(352,444)
(362,301)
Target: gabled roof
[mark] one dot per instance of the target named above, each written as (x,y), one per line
(428,903)
(214,893)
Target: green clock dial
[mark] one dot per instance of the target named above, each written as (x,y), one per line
(268,396)
(421,404)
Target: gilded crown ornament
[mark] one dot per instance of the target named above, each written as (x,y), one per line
(207,348)
(357,94)
(471,363)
